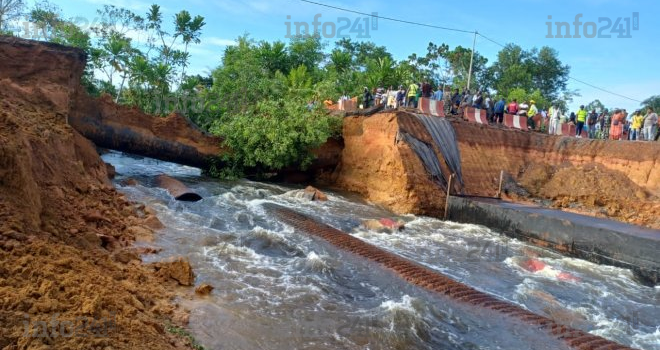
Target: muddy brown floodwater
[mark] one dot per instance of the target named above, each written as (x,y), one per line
(277,287)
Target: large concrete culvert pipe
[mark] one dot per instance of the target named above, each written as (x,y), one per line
(177,189)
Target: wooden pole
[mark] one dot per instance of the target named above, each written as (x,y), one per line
(474,44)
(499,191)
(451,177)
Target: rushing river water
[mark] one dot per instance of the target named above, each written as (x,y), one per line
(276,288)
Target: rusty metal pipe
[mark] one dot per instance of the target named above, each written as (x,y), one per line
(433,281)
(177,189)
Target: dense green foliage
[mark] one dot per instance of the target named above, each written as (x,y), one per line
(273,135)
(653,102)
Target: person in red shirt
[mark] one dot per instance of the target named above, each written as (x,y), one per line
(513,107)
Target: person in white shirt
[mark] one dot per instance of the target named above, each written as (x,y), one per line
(555,116)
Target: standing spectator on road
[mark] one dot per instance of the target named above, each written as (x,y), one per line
(390,98)
(367,98)
(581,118)
(426,90)
(413,89)
(616,128)
(554,115)
(438,94)
(636,127)
(499,111)
(650,124)
(488,105)
(378,96)
(456,98)
(592,119)
(446,99)
(466,100)
(513,107)
(533,111)
(400,97)
(478,100)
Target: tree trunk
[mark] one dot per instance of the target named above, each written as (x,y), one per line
(121,88)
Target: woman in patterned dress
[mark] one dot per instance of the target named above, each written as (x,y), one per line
(616,129)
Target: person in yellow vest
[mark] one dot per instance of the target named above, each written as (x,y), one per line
(637,121)
(533,111)
(581,118)
(412,95)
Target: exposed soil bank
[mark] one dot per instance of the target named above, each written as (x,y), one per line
(65,232)
(172,138)
(55,71)
(384,171)
(618,180)
(613,179)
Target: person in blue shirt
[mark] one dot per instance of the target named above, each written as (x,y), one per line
(499,111)
(438,94)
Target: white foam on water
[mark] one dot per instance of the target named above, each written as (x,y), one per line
(317,262)
(227,249)
(406,304)
(647,341)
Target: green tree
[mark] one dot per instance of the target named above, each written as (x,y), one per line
(531,70)
(274,57)
(459,67)
(241,80)
(273,135)
(380,72)
(521,95)
(653,102)
(595,105)
(307,51)
(548,73)
(362,52)
(189,29)
(10,10)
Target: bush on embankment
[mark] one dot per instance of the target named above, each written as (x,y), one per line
(273,135)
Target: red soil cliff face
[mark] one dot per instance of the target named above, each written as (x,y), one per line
(48,71)
(65,233)
(172,138)
(52,72)
(620,180)
(384,171)
(487,150)
(615,179)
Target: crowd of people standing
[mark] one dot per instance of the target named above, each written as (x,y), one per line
(642,125)
(617,125)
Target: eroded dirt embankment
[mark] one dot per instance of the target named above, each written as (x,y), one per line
(65,252)
(619,180)
(384,171)
(615,179)
(55,72)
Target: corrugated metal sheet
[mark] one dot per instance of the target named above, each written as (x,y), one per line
(444,136)
(428,157)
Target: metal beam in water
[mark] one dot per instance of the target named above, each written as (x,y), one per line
(433,281)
